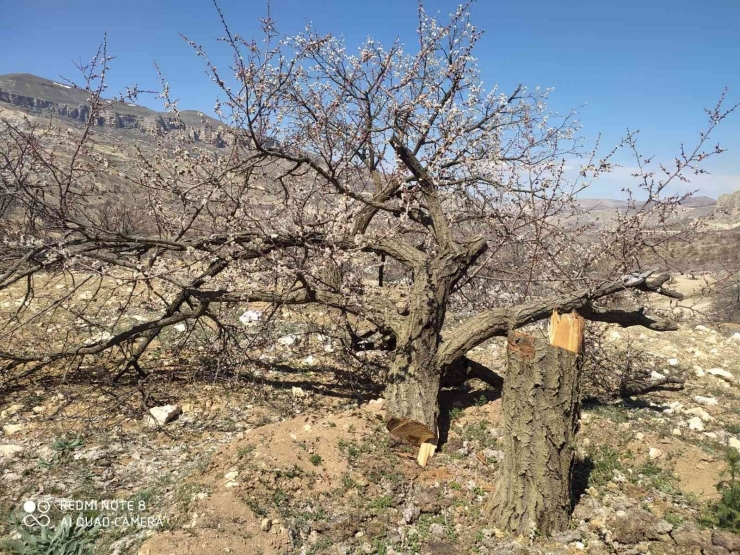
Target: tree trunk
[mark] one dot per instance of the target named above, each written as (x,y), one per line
(541,405)
(412,392)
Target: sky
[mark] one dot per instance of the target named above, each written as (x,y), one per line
(652,65)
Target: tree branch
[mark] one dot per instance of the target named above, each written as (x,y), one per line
(500,321)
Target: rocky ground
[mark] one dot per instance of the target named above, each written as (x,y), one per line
(294,458)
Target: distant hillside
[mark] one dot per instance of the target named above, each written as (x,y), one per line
(45,97)
(614,204)
(729,204)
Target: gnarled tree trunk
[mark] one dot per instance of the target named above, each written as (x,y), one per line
(413,389)
(541,405)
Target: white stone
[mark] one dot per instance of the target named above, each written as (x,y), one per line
(375,405)
(310,360)
(676,431)
(710,435)
(10,451)
(12,409)
(656,375)
(708,401)
(734,442)
(734,337)
(265,524)
(701,328)
(307,428)
(696,424)
(288,340)
(701,413)
(10,429)
(231,475)
(250,316)
(673,362)
(297,392)
(655,453)
(232,484)
(181,327)
(721,373)
(639,436)
(159,416)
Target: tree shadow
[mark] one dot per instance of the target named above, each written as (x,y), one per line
(581,472)
(459,398)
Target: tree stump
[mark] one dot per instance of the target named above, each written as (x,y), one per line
(541,406)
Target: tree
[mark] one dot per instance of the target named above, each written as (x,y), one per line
(376,159)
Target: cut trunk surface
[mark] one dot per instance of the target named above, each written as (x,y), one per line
(541,405)
(411,402)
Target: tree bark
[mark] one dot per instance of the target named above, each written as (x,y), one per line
(412,392)
(541,406)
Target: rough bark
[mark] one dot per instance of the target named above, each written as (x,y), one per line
(411,394)
(541,404)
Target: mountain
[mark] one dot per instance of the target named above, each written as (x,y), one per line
(614,204)
(729,204)
(44,97)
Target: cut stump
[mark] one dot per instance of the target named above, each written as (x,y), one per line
(541,408)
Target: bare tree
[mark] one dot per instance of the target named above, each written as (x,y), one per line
(339,163)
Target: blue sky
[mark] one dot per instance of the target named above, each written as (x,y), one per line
(651,65)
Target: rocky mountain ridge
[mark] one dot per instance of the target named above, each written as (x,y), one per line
(729,203)
(44,97)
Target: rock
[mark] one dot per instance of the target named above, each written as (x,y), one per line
(673,362)
(297,392)
(655,453)
(38,409)
(639,436)
(734,337)
(310,360)
(691,537)
(231,475)
(10,429)
(10,451)
(159,416)
(676,431)
(588,508)
(696,424)
(734,442)
(729,541)
(180,327)
(707,401)
(411,513)
(710,435)
(265,524)
(657,375)
(288,340)
(637,526)
(11,410)
(250,316)
(375,405)
(721,373)
(437,530)
(701,328)
(701,413)
(569,536)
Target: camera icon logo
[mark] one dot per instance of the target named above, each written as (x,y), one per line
(36,513)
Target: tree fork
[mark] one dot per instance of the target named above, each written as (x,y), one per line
(541,406)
